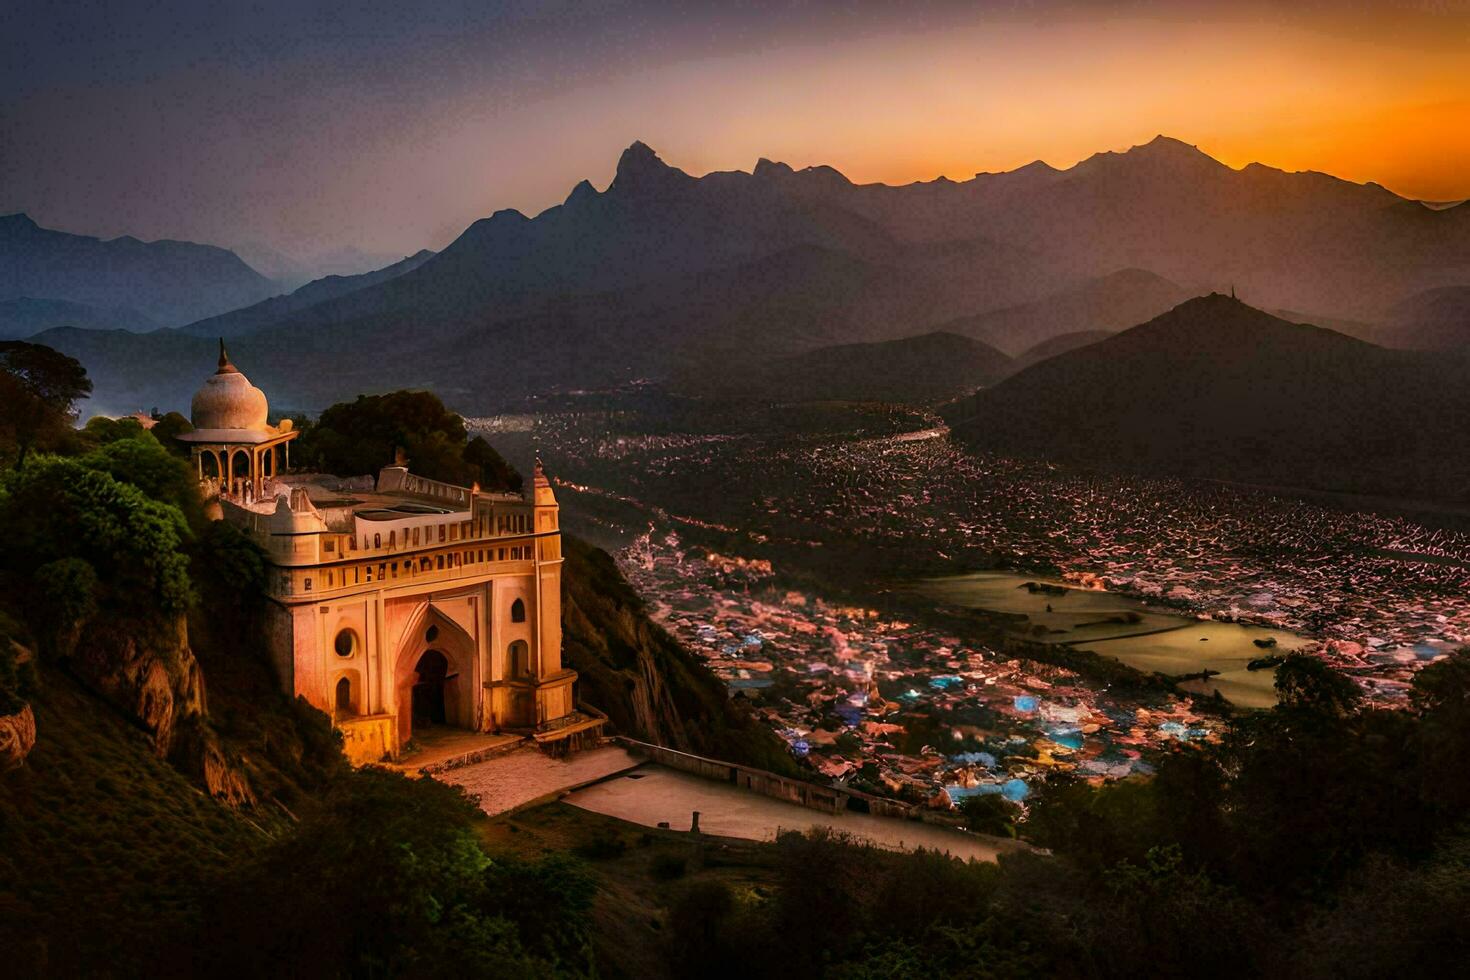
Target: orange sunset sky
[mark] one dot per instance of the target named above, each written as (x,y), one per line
(392,129)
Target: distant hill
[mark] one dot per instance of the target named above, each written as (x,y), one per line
(243,321)
(662,273)
(138,371)
(165,281)
(921,370)
(1217,388)
(23,315)
(1058,345)
(1437,319)
(1112,302)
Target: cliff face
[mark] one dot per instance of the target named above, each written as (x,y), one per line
(17,738)
(650,687)
(149,673)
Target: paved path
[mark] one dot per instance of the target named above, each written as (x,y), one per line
(445,744)
(522,775)
(654,793)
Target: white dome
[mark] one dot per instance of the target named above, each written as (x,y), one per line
(227,400)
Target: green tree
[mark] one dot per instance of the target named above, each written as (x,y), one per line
(495,472)
(66,598)
(1305,683)
(144,463)
(362,436)
(101,430)
(39,388)
(168,430)
(397,888)
(1441,697)
(989,813)
(62,508)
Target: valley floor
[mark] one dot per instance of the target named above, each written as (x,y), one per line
(780,554)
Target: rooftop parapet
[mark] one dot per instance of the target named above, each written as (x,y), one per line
(397,479)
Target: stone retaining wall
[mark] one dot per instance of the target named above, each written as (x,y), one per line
(828,799)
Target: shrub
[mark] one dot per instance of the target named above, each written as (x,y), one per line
(667,867)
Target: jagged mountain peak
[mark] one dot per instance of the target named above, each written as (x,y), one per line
(1038,168)
(584,191)
(772,168)
(640,166)
(1162,144)
(1161,152)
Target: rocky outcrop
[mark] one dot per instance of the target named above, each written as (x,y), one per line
(17,720)
(197,751)
(614,655)
(17,738)
(149,673)
(146,670)
(649,686)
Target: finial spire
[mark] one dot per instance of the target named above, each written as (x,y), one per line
(225,367)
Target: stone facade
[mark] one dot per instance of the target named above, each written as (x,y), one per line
(415,603)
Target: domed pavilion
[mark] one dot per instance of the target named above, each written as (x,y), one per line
(232,443)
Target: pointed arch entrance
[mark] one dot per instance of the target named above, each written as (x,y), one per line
(435,675)
(432,672)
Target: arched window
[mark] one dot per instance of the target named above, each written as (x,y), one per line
(518,612)
(345,644)
(377,540)
(520,659)
(344,696)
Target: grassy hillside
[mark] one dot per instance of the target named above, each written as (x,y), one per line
(108,849)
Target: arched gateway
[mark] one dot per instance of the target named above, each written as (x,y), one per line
(436,671)
(396,603)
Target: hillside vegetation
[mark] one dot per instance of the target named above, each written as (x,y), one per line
(1215,388)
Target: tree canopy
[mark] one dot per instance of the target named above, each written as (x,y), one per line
(66,509)
(362,436)
(39,389)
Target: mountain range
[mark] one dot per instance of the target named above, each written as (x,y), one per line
(164,282)
(1436,319)
(927,369)
(663,274)
(1111,302)
(21,316)
(250,318)
(1216,388)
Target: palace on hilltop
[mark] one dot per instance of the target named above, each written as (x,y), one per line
(410,604)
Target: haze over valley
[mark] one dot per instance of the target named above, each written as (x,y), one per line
(794,490)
